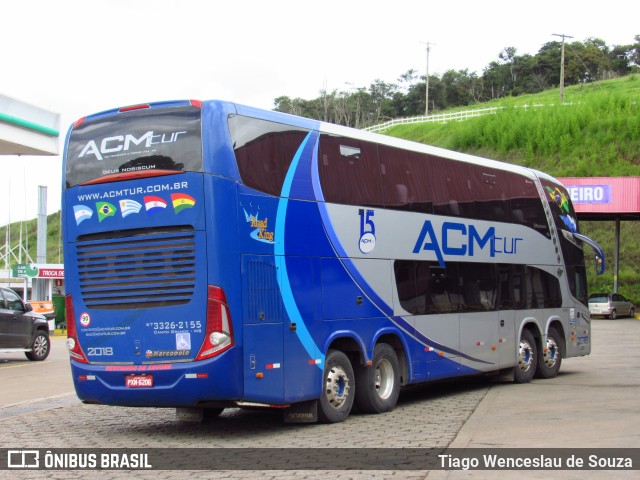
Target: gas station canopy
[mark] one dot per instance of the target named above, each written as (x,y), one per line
(26,129)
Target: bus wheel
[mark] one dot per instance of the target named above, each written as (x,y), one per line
(338,388)
(551,358)
(211,413)
(527,358)
(378,386)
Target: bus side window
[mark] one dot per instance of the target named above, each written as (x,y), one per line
(349,171)
(406,184)
(542,288)
(444,294)
(510,287)
(489,188)
(264,150)
(525,205)
(452,195)
(479,286)
(406,284)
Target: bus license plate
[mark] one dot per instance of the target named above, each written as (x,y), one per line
(139,381)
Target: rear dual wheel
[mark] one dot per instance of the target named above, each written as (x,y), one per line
(374,388)
(551,358)
(378,386)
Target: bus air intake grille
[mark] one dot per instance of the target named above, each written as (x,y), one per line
(137,268)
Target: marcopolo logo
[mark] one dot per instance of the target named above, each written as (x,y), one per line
(123,143)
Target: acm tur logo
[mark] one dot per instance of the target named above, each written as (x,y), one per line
(123,143)
(459,239)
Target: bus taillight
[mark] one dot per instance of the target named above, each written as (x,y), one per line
(75,350)
(130,108)
(219,334)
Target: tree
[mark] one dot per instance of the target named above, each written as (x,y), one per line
(587,62)
(510,74)
(549,62)
(381,94)
(508,56)
(496,79)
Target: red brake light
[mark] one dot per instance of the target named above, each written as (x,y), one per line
(75,350)
(196,103)
(218,336)
(134,107)
(79,122)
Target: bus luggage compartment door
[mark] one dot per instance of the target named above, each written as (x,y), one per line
(282,362)
(262,330)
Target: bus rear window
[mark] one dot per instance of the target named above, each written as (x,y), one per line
(136,141)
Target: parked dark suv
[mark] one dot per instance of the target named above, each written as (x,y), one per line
(21,329)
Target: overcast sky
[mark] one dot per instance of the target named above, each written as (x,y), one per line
(76,57)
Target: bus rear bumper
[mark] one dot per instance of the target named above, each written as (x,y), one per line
(158,385)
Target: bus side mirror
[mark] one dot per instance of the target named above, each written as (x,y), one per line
(599,265)
(596,248)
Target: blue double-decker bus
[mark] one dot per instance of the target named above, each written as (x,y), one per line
(218,255)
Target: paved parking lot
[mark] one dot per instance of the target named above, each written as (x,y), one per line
(593,403)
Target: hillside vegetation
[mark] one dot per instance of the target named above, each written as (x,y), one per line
(595,133)
(29,239)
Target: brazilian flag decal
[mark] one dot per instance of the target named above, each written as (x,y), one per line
(105,210)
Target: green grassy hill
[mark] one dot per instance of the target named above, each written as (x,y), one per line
(29,240)
(595,133)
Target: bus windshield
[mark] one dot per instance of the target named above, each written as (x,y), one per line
(140,141)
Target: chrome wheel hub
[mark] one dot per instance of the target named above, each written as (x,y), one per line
(525,356)
(384,379)
(337,386)
(551,352)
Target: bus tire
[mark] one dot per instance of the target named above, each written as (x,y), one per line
(40,347)
(378,386)
(338,388)
(550,359)
(527,358)
(211,413)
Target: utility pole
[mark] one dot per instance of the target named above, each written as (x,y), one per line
(562,65)
(38,289)
(426,102)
